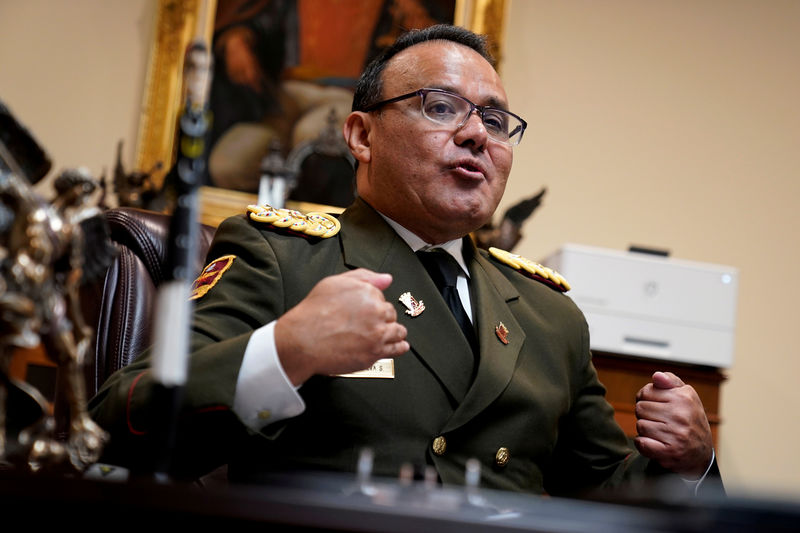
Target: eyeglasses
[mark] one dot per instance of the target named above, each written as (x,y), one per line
(449,109)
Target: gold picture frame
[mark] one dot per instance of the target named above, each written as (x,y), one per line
(178,22)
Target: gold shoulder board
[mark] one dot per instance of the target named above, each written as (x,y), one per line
(314,224)
(534,270)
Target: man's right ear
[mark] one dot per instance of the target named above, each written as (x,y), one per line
(356,130)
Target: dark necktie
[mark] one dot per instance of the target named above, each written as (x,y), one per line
(443,269)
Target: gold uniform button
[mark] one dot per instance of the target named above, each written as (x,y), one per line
(502,456)
(439,445)
(265,414)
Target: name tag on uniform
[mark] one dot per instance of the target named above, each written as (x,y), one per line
(382,368)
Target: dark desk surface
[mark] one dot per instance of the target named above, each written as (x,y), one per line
(336,502)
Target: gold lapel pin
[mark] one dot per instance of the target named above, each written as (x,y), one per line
(502,332)
(413,307)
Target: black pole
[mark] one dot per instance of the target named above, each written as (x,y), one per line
(173,307)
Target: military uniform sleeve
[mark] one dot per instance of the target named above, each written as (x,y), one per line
(246,296)
(592,452)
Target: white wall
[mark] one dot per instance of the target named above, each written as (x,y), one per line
(73,73)
(676,124)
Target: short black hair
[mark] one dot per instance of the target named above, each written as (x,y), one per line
(370,84)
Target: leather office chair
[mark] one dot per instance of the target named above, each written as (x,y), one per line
(323,168)
(121,306)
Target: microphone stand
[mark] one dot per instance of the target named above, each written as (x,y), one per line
(173,307)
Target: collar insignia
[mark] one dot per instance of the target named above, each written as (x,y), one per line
(413,307)
(502,332)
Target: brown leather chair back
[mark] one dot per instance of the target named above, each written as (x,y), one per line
(121,306)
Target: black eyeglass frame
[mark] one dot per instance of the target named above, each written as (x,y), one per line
(472,107)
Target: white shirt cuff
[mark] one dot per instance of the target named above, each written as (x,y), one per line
(264,395)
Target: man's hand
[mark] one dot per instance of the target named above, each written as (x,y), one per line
(672,426)
(343,325)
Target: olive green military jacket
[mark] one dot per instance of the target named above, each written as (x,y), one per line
(535,415)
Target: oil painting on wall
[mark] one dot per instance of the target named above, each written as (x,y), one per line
(286,70)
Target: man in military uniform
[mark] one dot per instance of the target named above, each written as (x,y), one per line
(293,309)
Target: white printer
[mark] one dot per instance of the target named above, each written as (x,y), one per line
(653,306)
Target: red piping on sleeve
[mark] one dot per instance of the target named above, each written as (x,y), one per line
(212,409)
(137,432)
(128,405)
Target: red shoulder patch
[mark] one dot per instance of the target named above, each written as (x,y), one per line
(211,274)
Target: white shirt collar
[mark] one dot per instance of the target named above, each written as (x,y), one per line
(454,247)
